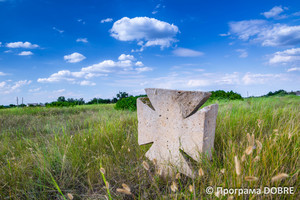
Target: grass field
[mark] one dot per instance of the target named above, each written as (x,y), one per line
(57,153)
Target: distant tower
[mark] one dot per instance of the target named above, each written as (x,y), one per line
(17,102)
(22,100)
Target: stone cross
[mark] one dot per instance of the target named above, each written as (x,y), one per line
(172,121)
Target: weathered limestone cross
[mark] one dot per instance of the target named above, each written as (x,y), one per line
(171,121)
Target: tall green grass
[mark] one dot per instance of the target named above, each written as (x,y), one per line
(48,153)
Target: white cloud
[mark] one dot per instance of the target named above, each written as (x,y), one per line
(183,52)
(25,45)
(25,53)
(2,74)
(81,21)
(123,66)
(275,13)
(252,79)
(291,56)
(87,83)
(59,91)
(106,20)
(143,69)
(156,9)
(84,40)
(2,84)
(35,90)
(126,57)
(6,88)
(294,69)
(58,30)
(265,33)
(0,44)
(243,53)
(146,31)
(8,51)
(74,57)
(139,64)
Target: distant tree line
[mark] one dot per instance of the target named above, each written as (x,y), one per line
(125,101)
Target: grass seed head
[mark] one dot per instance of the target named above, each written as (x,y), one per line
(126,187)
(251,178)
(237,166)
(256,159)
(146,165)
(249,150)
(200,172)
(222,170)
(70,196)
(154,161)
(102,170)
(174,187)
(121,190)
(279,177)
(243,158)
(259,145)
(177,176)
(191,189)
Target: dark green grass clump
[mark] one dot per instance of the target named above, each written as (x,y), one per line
(53,153)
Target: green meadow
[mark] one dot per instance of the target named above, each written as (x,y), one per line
(89,151)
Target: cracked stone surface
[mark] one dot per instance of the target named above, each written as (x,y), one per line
(172,121)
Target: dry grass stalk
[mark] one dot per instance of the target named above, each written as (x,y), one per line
(237,166)
(200,172)
(146,165)
(252,140)
(279,177)
(174,187)
(230,198)
(251,178)
(70,196)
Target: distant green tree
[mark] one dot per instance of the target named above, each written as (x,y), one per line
(61,99)
(122,95)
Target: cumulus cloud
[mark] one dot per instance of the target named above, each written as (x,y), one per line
(124,64)
(294,69)
(25,53)
(183,52)
(25,45)
(106,20)
(275,12)
(289,56)
(126,57)
(146,31)
(84,40)
(243,53)
(74,57)
(265,33)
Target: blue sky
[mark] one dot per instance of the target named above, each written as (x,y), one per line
(97,48)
